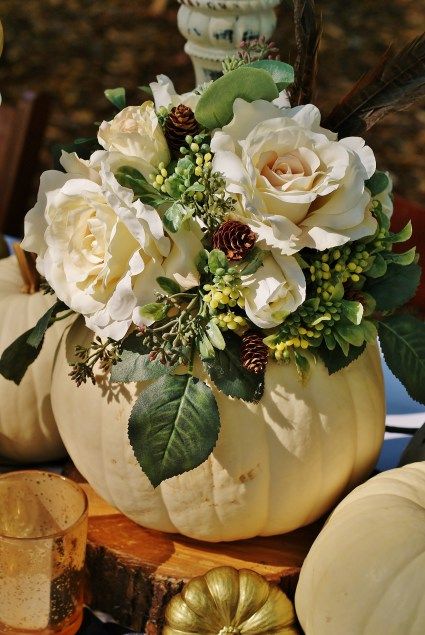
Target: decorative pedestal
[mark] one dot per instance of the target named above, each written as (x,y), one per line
(133,572)
(214,28)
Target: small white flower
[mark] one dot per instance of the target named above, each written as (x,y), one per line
(297,186)
(274,291)
(135,138)
(100,250)
(165,95)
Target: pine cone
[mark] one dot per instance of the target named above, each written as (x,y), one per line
(254,353)
(180,123)
(235,239)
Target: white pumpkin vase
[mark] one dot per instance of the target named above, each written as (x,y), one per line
(214,28)
(28,432)
(277,465)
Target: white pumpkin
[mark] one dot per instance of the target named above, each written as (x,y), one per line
(28,432)
(365,574)
(277,465)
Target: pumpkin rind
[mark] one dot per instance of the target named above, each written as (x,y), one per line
(278,465)
(28,432)
(225,600)
(365,573)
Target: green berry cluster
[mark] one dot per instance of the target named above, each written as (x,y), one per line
(225,291)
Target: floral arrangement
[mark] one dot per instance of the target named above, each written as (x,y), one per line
(205,235)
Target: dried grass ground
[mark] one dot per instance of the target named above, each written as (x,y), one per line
(75,49)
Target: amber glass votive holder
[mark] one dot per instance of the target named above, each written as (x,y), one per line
(43,535)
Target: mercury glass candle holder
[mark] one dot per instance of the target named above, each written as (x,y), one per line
(43,533)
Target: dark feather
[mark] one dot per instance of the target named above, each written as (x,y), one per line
(394,84)
(308,31)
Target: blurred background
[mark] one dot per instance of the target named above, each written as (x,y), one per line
(74,49)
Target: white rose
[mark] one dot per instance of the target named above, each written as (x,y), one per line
(165,95)
(136,134)
(99,250)
(296,184)
(274,291)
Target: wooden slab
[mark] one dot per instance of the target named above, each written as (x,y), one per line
(133,572)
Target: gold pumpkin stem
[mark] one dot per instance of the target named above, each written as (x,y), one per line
(29,273)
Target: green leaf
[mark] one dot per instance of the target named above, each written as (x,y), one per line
(342,342)
(336,360)
(36,336)
(228,374)
(17,357)
(403,235)
(350,333)
(133,180)
(202,261)
(281,73)
(378,183)
(147,90)
(252,262)
(370,331)
(217,260)
(175,216)
(135,365)
(396,288)
(154,311)
(403,259)
(116,96)
(352,310)
(173,426)
(215,106)
(83,147)
(378,268)
(302,364)
(215,336)
(402,340)
(205,348)
(168,285)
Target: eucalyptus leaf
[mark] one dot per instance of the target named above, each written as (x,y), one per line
(402,340)
(281,73)
(215,106)
(173,427)
(336,360)
(396,288)
(116,96)
(228,374)
(403,235)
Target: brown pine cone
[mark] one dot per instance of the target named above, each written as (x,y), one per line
(235,239)
(180,123)
(254,353)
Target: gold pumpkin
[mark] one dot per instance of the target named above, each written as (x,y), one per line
(225,600)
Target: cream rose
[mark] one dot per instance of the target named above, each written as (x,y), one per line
(297,186)
(274,291)
(135,134)
(165,95)
(99,250)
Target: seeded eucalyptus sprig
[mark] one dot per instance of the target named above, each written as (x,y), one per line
(107,353)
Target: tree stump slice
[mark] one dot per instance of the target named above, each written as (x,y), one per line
(133,572)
